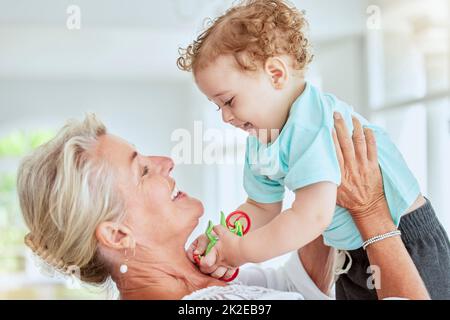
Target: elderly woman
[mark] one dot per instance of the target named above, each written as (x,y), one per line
(91,200)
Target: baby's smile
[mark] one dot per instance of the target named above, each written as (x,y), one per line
(247,127)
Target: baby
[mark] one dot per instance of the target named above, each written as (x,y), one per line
(251,63)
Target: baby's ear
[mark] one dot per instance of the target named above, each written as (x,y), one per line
(277,70)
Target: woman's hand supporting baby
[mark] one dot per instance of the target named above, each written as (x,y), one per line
(361,187)
(361,192)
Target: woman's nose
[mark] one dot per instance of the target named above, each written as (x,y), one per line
(227,115)
(162,165)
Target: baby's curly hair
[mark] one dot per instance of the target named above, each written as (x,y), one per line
(251,31)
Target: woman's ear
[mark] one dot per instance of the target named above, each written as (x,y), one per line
(277,69)
(114,235)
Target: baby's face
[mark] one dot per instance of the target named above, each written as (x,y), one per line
(247,100)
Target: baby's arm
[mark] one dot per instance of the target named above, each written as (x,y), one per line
(260,213)
(311,213)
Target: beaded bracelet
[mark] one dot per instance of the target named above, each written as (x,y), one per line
(381,237)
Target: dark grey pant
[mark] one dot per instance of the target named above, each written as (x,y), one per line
(429,247)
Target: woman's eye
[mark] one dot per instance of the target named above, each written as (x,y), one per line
(145,171)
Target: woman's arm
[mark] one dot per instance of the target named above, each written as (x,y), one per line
(361,192)
(318,260)
(290,276)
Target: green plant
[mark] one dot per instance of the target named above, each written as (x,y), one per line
(15,145)
(18,143)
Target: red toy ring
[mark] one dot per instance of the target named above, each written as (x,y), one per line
(239,215)
(197,259)
(234,276)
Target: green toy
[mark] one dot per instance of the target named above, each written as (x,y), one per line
(213,240)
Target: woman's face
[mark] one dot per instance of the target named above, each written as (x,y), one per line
(156,213)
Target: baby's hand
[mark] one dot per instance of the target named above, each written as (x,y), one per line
(225,254)
(222,260)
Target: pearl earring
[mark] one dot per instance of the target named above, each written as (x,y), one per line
(123,267)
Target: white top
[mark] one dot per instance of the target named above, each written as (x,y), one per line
(288,282)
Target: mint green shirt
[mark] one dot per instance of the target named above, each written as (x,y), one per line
(304,154)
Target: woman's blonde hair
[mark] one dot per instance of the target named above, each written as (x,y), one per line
(251,31)
(64,193)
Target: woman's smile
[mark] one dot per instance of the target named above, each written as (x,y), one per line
(177,194)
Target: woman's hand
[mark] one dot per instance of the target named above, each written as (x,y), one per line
(361,187)
(361,192)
